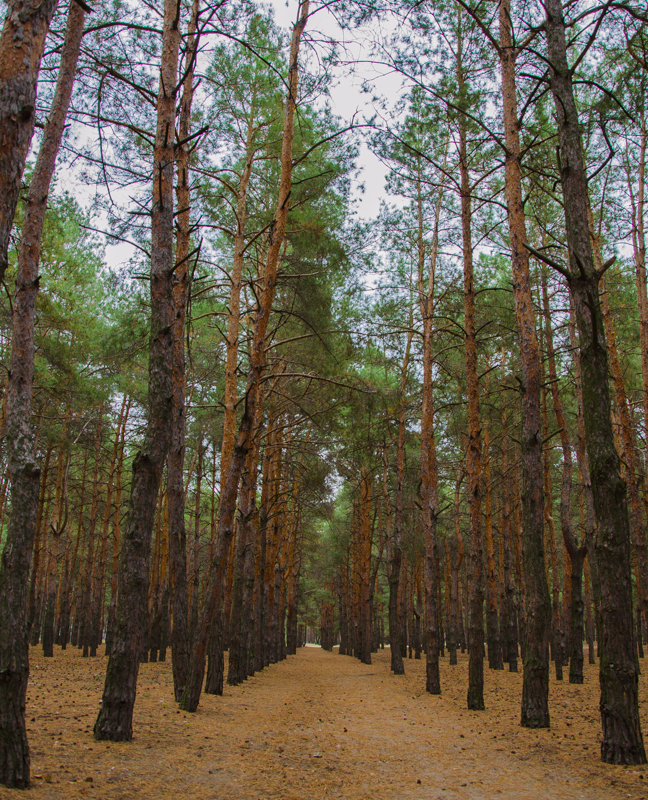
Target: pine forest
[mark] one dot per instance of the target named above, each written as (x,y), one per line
(323,399)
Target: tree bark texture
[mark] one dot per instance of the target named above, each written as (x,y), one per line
(575,551)
(535,687)
(429,464)
(474,454)
(622,741)
(175,465)
(492,616)
(21,47)
(115,720)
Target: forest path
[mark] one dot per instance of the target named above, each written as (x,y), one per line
(318,725)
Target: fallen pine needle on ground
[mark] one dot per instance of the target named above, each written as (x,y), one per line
(319,725)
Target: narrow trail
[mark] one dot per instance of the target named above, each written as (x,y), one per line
(319,725)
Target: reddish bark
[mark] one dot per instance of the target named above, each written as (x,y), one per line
(21,47)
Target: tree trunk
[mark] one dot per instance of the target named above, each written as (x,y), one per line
(21,46)
(260,566)
(639,250)
(364,530)
(85,626)
(429,464)
(397,546)
(237,666)
(175,465)
(492,617)
(57,525)
(34,599)
(628,446)
(473,454)
(511,649)
(535,687)
(622,739)
(116,528)
(575,551)
(457,561)
(115,720)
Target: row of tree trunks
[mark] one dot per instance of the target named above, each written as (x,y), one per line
(215,595)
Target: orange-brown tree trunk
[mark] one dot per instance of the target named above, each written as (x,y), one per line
(175,465)
(474,449)
(535,687)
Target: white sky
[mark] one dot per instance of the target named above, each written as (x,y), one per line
(346,98)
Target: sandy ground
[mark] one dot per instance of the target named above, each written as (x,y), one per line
(319,725)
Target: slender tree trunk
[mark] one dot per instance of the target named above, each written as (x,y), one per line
(628,448)
(237,666)
(99,568)
(535,687)
(57,525)
(39,547)
(260,566)
(457,561)
(575,551)
(429,464)
(365,565)
(520,578)
(115,720)
(175,465)
(116,529)
(622,739)
(511,653)
(21,47)
(86,596)
(492,616)
(397,546)
(474,454)
(67,598)
(639,249)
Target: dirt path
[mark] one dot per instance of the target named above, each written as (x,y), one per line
(319,725)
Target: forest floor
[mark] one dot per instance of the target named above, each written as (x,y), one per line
(319,725)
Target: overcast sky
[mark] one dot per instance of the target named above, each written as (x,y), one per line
(347,101)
